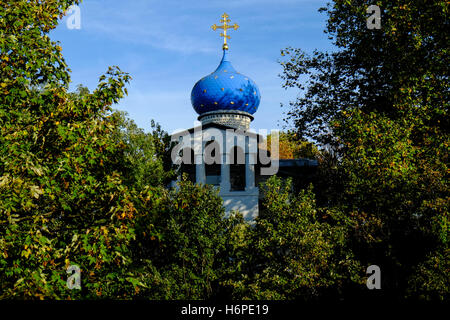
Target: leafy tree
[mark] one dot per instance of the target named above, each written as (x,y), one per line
(62,200)
(295,250)
(380,103)
(181,241)
(392,70)
(163,149)
(145,153)
(290,147)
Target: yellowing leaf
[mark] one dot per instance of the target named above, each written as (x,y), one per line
(36,191)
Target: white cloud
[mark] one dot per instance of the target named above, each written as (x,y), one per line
(139,23)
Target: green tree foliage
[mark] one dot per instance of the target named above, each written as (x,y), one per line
(62,200)
(146,153)
(380,102)
(290,147)
(183,238)
(393,70)
(163,150)
(295,250)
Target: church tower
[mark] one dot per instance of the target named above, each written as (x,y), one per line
(223,150)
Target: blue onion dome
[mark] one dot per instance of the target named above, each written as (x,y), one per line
(225,89)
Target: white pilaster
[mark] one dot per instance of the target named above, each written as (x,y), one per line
(225,175)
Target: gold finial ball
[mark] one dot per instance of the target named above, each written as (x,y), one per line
(225,46)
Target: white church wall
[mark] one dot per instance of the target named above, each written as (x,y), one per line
(246,202)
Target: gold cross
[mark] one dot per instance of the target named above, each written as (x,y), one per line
(225,27)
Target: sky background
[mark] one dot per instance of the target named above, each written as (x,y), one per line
(167,46)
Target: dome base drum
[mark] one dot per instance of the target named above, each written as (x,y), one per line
(230,118)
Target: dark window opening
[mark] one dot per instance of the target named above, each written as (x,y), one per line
(212,170)
(237,170)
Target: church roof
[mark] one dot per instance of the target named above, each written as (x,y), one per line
(225,89)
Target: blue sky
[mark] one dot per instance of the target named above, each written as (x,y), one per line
(167,46)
